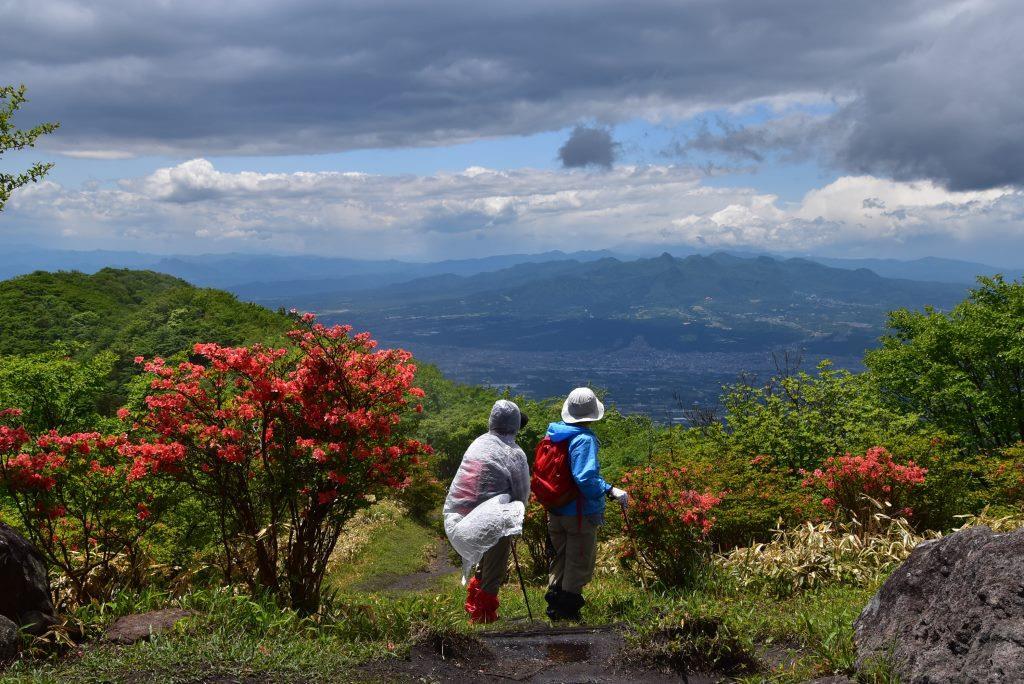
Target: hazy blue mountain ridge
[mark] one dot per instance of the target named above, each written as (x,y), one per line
(926,268)
(613,288)
(263,274)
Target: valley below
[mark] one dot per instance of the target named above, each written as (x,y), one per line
(638,378)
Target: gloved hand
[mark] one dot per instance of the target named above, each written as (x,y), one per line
(620,496)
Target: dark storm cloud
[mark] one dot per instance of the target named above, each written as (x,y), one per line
(947,108)
(927,88)
(950,111)
(588,147)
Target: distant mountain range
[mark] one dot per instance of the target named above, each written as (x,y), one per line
(927,268)
(613,287)
(697,302)
(647,330)
(258,276)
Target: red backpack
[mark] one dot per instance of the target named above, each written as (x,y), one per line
(552,481)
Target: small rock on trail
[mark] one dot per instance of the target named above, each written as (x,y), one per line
(131,629)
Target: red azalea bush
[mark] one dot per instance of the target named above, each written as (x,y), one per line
(849,483)
(669,521)
(284,444)
(76,501)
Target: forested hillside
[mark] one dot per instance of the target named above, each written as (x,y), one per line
(68,340)
(129,312)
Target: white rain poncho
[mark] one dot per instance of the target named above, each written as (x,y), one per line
(473,535)
(487,498)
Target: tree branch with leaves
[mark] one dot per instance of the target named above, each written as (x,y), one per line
(12,138)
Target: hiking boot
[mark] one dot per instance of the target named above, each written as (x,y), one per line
(567,607)
(552,597)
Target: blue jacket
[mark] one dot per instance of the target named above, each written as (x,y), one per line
(586,470)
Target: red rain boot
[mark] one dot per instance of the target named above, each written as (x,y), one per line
(486,608)
(472,593)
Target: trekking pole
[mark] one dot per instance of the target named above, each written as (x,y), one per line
(522,584)
(636,549)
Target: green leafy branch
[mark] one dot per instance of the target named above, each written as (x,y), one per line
(11,138)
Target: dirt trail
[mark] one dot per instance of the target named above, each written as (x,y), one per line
(440,565)
(580,654)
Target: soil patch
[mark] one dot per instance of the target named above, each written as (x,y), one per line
(580,654)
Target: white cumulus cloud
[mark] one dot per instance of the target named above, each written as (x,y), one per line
(194,207)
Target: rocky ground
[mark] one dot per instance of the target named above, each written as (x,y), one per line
(533,654)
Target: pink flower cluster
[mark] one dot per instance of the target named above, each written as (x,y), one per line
(671,519)
(39,464)
(847,479)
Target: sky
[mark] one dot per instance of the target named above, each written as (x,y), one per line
(439,130)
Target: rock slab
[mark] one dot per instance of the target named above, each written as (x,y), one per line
(953,612)
(131,629)
(8,640)
(25,598)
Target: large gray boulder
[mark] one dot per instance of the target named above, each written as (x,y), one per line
(953,612)
(25,593)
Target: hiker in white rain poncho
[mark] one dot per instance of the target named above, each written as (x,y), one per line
(485,507)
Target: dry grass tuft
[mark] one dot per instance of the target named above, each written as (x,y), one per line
(812,555)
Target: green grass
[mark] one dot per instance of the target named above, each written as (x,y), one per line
(811,631)
(391,552)
(239,636)
(716,624)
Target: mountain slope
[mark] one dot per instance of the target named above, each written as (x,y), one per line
(132,312)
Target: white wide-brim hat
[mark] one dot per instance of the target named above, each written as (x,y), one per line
(582,405)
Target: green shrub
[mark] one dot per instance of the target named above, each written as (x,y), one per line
(801,419)
(535,540)
(423,494)
(757,495)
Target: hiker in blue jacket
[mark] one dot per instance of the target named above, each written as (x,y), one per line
(573,527)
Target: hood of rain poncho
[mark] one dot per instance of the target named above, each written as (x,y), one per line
(494,471)
(505,418)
